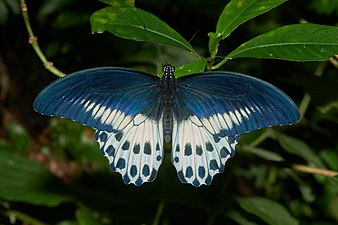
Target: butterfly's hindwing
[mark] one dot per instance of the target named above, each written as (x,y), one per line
(197,154)
(135,152)
(228,104)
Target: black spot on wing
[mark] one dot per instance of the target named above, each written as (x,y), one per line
(188,150)
(118,136)
(147,148)
(126,145)
(209,147)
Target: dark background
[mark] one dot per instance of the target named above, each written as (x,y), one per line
(64,34)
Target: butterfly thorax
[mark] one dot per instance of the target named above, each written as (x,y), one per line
(168,88)
(168,81)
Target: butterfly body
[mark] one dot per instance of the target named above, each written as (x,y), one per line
(168,85)
(134,113)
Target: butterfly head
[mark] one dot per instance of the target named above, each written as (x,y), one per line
(168,71)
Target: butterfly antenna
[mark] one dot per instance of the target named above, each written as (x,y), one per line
(179,53)
(156,45)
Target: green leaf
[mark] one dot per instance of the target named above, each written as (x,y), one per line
(333,207)
(264,153)
(137,24)
(24,180)
(119,3)
(299,42)
(87,217)
(237,12)
(4,13)
(18,135)
(14,6)
(50,7)
(299,148)
(239,218)
(324,7)
(269,211)
(191,68)
(213,43)
(330,157)
(74,140)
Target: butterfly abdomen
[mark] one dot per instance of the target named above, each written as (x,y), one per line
(167,122)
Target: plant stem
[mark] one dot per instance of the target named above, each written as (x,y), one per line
(158,213)
(334,61)
(33,40)
(218,65)
(314,170)
(304,104)
(14,215)
(266,134)
(293,166)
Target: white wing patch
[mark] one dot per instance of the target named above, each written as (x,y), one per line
(197,154)
(135,152)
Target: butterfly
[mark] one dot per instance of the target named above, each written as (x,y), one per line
(133,113)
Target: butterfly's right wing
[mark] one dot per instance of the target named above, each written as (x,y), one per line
(211,110)
(123,106)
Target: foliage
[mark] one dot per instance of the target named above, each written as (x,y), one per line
(6,8)
(56,175)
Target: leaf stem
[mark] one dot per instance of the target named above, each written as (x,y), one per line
(304,104)
(267,134)
(294,166)
(218,65)
(33,40)
(314,170)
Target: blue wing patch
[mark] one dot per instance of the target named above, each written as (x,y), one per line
(106,98)
(229,104)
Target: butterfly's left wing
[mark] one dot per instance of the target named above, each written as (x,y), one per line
(211,110)
(123,106)
(104,98)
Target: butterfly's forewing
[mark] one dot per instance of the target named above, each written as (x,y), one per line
(123,106)
(230,103)
(212,109)
(104,98)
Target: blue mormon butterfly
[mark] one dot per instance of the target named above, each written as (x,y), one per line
(133,113)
